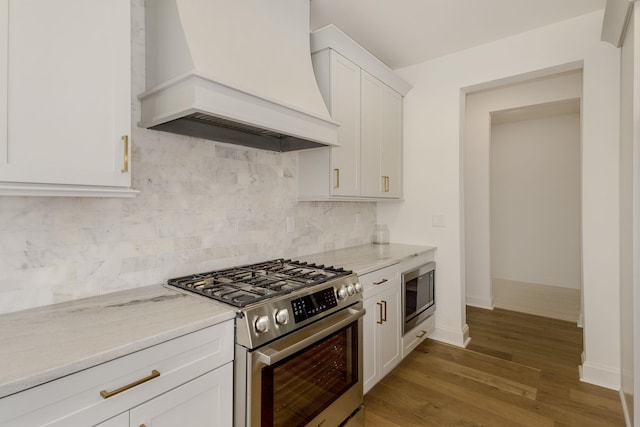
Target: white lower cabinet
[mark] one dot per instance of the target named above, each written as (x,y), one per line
(184,381)
(384,345)
(415,336)
(203,402)
(381,332)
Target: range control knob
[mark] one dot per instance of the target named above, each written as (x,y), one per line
(358,287)
(261,324)
(343,293)
(282,316)
(351,289)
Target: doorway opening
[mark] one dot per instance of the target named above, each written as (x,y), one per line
(535,209)
(522,197)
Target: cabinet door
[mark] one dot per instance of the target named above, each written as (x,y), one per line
(345,109)
(371,179)
(391,142)
(389,330)
(67,87)
(381,143)
(370,370)
(204,402)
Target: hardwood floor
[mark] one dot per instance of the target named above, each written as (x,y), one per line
(518,370)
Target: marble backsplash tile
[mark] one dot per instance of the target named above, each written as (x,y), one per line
(202,205)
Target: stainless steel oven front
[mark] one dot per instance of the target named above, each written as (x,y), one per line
(418,295)
(311,377)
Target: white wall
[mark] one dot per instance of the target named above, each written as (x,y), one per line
(629,147)
(202,205)
(535,201)
(636,216)
(434,111)
(478,108)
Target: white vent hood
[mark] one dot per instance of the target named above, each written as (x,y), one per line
(236,71)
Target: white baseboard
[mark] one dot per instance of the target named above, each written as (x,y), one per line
(459,338)
(480,302)
(581,320)
(625,410)
(601,375)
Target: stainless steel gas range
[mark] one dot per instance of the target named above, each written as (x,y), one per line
(298,352)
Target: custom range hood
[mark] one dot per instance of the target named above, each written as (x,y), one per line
(235,71)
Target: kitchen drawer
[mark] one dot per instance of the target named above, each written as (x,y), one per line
(76,399)
(377,281)
(415,336)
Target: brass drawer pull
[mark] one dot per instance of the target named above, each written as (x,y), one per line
(384,318)
(337,181)
(422,333)
(380,282)
(125,166)
(107,394)
(379,322)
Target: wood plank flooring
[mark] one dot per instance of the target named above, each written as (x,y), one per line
(518,370)
(541,300)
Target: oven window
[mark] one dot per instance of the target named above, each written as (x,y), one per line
(298,388)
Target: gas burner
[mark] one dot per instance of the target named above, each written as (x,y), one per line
(250,284)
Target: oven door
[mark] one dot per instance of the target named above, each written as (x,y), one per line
(311,377)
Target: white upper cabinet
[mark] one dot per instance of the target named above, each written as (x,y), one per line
(365,97)
(65,113)
(391,142)
(381,143)
(336,170)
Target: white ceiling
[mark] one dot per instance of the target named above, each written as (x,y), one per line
(405,32)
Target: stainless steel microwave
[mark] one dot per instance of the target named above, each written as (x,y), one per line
(418,295)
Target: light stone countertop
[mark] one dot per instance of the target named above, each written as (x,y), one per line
(367,258)
(42,344)
(46,343)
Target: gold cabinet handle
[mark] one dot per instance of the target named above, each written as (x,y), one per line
(379,322)
(384,318)
(125,166)
(385,183)
(337,176)
(380,282)
(107,394)
(422,333)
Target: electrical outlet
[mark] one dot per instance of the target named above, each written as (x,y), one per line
(291,224)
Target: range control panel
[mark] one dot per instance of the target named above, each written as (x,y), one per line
(310,305)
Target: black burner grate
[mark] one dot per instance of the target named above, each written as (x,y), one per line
(249,284)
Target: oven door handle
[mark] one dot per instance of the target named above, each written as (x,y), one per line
(315,332)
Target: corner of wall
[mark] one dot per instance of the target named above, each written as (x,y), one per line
(600,375)
(480,302)
(459,338)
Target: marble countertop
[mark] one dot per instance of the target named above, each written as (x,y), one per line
(46,343)
(367,258)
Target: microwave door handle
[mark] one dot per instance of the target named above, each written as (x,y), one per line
(269,355)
